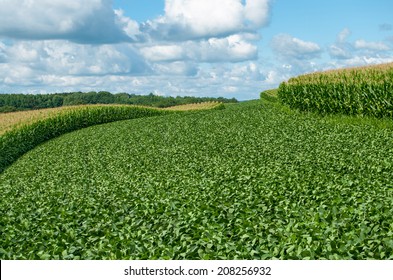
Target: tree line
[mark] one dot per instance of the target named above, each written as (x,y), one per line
(20,102)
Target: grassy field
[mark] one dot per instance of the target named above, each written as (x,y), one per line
(253,181)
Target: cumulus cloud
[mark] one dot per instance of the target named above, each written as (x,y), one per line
(89,21)
(341,49)
(29,61)
(161,53)
(54,46)
(359,60)
(291,48)
(68,45)
(242,80)
(358,52)
(231,49)
(297,57)
(129,26)
(343,35)
(234,48)
(177,68)
(375,46)
(196,19)
(204,17)
(247,71)
(3,56)
(257,12)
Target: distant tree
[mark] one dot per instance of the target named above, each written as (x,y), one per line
(7,109)
(17,102)
(105,97)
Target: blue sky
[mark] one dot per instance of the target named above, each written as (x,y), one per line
(230,48)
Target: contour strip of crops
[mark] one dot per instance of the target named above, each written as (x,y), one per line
(18,141)
(10,121)
(248,182)
(366,91)
(25,130)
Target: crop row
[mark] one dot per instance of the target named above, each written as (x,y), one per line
(270,95)
(32,128)
(354,91)
(248,182)
(18,141)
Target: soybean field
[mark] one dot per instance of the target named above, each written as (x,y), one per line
(22,131)
(253,181)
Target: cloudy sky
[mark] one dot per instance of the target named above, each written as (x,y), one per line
(230,48)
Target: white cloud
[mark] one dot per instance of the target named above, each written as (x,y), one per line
(359,52)
(340,51)
(14,75)
(234,48)
(231,49)
(288,47)
(230,89)
(243,72)
(205,17)
(375,46)
(190,50)
(242,80)
(257,11)
(196,19)
(28,62)
(161,53)
(343,35)
(360,60)
(89,21)
(3,56)
(129,26)
(178,68)
(273,78)
(68,45)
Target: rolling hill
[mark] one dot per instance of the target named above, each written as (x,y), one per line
(253,181)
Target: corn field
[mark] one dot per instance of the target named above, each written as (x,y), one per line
(353,91)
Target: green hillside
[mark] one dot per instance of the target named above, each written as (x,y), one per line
(253,181)
(22,131)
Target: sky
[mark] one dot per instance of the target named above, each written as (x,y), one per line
(228,48)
